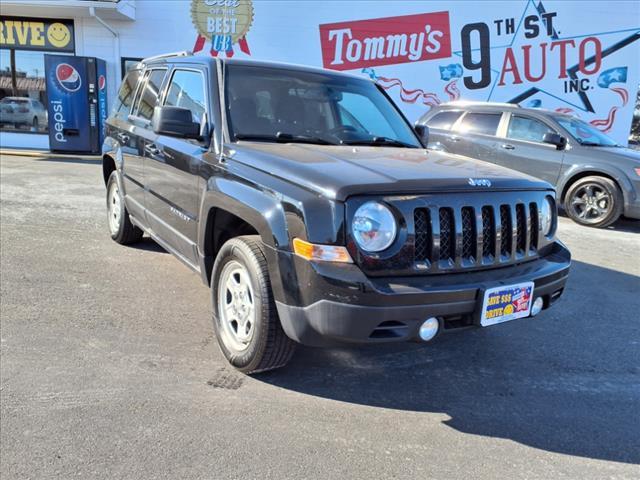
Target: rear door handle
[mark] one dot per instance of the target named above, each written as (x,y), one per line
(151,149)
(508,146)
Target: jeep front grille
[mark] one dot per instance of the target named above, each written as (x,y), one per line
(470,236)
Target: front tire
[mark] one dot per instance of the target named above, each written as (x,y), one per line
(245,319)
(594,201)
(120,226)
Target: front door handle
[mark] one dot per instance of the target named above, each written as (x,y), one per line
(151,149)
(508,146)
(454,139)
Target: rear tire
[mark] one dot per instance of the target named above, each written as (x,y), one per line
(122,230)
(594,201)
(245,318)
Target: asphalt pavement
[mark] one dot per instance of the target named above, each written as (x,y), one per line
(109,369)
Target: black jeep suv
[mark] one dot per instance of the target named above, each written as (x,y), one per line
(309,204)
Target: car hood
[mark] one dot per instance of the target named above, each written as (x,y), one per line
(342,171)
(619,156)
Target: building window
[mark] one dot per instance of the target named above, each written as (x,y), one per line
(23,94)
(23,90)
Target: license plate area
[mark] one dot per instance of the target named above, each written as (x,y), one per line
(506,302)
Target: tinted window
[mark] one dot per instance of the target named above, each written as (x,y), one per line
(149,94)
(486,123)
(316,106)
(444,120)
(529,129)
(127,91)
(359,112)
(187,91)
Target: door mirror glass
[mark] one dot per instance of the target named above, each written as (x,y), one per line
(555,139)
(423,133)
(175,122)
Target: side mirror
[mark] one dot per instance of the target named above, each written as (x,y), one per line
(175,122)
(554,139)
(423,133)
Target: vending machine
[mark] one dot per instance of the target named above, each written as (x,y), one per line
(77,103)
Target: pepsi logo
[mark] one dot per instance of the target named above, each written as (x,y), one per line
(102,82)
(68,77)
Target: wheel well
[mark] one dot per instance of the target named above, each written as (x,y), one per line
(580,175)
(108,166)
(221,227)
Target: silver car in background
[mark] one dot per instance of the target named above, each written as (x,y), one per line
(597,180)
(23,112)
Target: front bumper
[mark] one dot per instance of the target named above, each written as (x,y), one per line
(343,305)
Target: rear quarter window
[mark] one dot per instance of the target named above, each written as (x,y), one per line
(126,93)
(484,123)
(444,120)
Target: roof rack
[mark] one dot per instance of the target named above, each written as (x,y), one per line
(184,53)
(464,103)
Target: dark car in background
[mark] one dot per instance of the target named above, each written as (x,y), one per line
(597,180)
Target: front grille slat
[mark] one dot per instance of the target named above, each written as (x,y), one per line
(506,231)
(533,212)
(488,234)
(468,234)
(475,235)
(521,227)
(424,238)
(447,236)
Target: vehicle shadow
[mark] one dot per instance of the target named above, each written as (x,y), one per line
(148,245)
(81,161)
(622,225)
(567,381)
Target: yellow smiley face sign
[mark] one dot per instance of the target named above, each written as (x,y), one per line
(58,35)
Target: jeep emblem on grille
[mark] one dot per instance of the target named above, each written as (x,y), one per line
(479,182)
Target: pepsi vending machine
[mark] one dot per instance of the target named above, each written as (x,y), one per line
(77,103)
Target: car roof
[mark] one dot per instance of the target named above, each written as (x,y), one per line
(187,58)
(496,107)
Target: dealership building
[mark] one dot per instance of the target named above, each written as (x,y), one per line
(576,57)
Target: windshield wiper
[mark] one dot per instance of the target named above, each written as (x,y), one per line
(379,141)
(281,137)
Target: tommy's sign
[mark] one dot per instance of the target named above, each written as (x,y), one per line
(385,41)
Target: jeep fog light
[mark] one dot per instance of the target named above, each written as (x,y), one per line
(536,308)
(321,253)
(429,328)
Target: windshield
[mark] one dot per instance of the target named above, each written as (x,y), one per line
(282,105)
(584,133)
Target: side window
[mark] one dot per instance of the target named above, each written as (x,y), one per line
(485,123)
(444,120)
(126,92)
(149,94)
(187,90)
(528,129)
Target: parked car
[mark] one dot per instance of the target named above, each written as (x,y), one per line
(23,112)
(597,180)
(309,205)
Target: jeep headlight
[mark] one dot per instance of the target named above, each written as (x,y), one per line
(374,227)
(547,216)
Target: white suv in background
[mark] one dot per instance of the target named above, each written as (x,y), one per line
(23,112)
